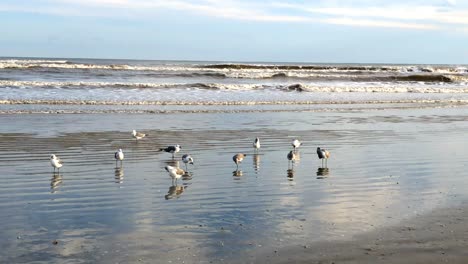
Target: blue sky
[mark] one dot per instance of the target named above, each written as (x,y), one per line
(400,31)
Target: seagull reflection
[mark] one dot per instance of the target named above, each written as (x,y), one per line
(173,163)
(323,173)
(119,175)
(175,191)
(55,182)
(237,173)
(187,176)
(256,162)
(290,174)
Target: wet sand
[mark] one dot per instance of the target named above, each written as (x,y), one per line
(440,236)
(378,200)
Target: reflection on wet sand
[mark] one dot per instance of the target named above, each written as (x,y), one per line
(175,191)
(237,173)
(256,162)
(290,174)
(119,174)
(55,182)
(172,162)
(187,176)
(323,173)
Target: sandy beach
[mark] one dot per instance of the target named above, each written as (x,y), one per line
(393,191)
(439,236)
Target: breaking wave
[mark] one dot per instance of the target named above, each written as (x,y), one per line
(225,103)
(328,87)
(227,67)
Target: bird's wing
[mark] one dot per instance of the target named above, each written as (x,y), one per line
(140,134)
(59,161)
(180,171)
(170,148)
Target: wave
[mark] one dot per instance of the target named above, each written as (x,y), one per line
(120,85)
(413,78)
(224,103)
(358,87)
(298,67)
(217,70)
(340,68)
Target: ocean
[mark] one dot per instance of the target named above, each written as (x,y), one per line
(51,82)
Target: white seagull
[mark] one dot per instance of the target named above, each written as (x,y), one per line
(187,159)
(256,143)
(171,149)
(238,158)
(119,156)
(55,162)
(174,172)
(138,135)
(296,144)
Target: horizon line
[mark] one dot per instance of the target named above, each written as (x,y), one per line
(224,61)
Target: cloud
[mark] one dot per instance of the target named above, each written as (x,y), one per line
(377,23)
(413,15)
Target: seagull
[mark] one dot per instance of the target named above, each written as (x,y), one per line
(238,158)
(323,155)
(187,159)
(172,149)
(291,157)
(119,156)
(55,162)
(256,144)
(174,172)
(296,144)
(138,135)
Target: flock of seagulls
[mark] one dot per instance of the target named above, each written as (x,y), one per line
(176,172)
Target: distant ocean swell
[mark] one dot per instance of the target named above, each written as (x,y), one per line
(24,64)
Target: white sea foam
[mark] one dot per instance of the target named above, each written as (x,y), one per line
(228,103)
(316,87)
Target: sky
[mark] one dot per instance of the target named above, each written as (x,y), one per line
(339,31)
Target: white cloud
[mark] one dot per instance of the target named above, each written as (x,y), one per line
(377,23)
